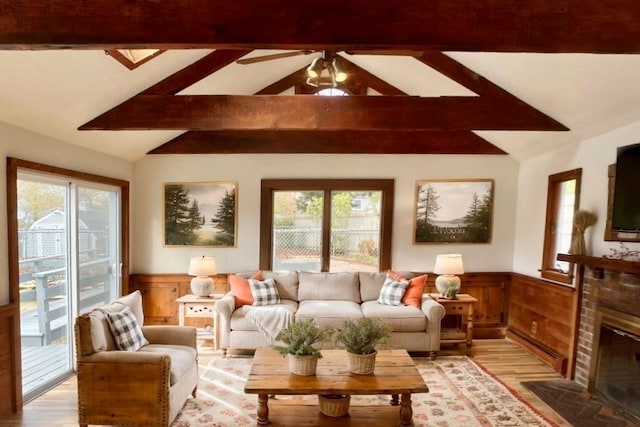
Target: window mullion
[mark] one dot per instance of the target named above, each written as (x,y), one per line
(326,230)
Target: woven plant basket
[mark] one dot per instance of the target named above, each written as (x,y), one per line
(303,365)
(361,364)
(334,405)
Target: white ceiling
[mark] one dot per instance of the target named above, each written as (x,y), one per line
(54,92)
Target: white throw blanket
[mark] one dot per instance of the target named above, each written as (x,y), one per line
(268,320)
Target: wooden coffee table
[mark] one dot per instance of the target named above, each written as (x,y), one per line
(395,374)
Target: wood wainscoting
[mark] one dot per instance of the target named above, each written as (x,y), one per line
(10,362)
(159,294)
(543,317)
(160,291)
(492,292)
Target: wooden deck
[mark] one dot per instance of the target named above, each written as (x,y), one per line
(43,364)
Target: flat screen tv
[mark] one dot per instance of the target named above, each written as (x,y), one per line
(626,196)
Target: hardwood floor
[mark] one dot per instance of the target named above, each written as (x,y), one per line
(502,358)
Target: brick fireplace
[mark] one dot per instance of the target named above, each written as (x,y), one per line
(610,308)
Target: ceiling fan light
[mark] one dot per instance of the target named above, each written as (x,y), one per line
(338,73)
(313,81)
(315,68)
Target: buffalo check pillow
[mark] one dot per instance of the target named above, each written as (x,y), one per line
(264,292)
(392,291)
(126,330)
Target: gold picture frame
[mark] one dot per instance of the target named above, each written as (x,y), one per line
(453,211)
(200,214)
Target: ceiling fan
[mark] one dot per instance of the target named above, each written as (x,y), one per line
(327,61)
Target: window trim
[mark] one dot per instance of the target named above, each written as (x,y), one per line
(269,186)
(553,201)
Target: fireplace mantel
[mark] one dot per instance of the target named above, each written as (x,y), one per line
(598,264)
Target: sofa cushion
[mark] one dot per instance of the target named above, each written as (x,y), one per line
(400,318)
(286,281)
(127,332)
(101,336)
(329,313)
(182,358)
(392,291)
(413,295)
(264,292)
(240,323)
(329,286)
(370,285)
(239,286)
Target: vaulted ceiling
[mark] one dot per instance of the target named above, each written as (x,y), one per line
(457,77)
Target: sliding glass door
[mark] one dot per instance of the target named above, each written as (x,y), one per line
(69,262)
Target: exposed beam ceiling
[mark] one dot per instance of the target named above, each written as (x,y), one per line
(596,26)
(330,142)
(227,112)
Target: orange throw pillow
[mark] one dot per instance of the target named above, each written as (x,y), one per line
(413,294)
(241,290)
(395,276)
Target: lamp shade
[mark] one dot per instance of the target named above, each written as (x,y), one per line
(448,264)
(202,266)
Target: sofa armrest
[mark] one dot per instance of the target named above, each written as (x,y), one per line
(224,307)
(432,309)
(170,334)
(129,386)
(126,357)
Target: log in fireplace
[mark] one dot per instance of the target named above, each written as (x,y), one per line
(615,363)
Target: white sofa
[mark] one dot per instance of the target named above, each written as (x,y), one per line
(331,298)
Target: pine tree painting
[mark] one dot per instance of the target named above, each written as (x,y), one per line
(454,211)
(200,214)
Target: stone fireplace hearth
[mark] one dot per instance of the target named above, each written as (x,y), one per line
(608,352)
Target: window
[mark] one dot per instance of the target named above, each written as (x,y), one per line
(326,225)
(68,252)
(133,58)
(563,197)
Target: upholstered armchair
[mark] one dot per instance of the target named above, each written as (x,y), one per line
(147,386)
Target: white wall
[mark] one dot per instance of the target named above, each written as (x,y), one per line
(22,144)
(594,157)
(150,256)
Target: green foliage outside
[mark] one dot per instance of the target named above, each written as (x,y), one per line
(299,338)
(363,335)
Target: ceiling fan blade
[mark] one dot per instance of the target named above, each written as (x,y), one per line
(262,58)
(386,52)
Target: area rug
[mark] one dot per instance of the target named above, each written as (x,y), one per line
(461,393)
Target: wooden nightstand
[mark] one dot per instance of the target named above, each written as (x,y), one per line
(192,306)
(462,306)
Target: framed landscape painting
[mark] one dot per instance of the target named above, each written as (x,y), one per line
(453,211)
(200,214)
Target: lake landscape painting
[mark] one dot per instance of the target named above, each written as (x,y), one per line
(200,214)
(453,211)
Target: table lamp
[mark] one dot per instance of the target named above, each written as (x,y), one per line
(448,265)
(202,267)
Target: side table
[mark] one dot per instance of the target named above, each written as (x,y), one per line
(462,306)
(191,306)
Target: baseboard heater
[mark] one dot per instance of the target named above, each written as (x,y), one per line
(542,352)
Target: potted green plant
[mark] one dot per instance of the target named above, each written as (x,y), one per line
(297,341)
(360,338)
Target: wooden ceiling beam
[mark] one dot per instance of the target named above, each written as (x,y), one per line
(473,81)
(328,142)
(589,26)
(228,112)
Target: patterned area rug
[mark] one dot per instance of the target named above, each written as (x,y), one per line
(461,394)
